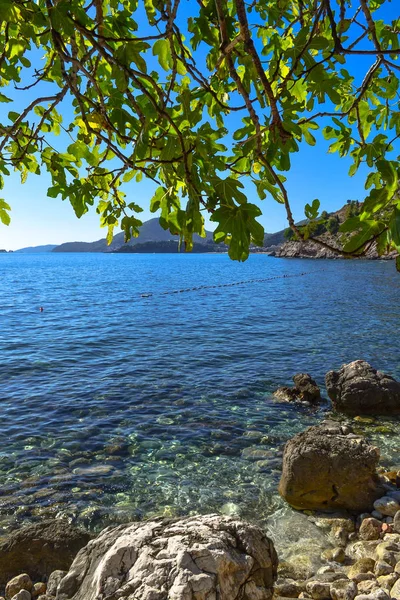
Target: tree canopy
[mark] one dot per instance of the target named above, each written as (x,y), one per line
(197,96)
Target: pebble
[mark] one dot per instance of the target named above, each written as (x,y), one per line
(343,590)
(322,570)
(363,565)
(394,494)
(334,554)
(389,520)
(382,568)
(318,590)
(18,583)
(363,549)
(396,522)
(22,595)
(395,591)
(39,589)
(386,528)
(288,588)
(387,505)
(387,581)
(363,577)
(376,514)
(366,587)
(388,552)
(375,595)
(392,537)
(370,529)
(256,454)
(96,470)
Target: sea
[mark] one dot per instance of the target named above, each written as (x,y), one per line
(145,386)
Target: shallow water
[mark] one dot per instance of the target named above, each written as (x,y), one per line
(116,406)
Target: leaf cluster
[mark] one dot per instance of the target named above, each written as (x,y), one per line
(121,90)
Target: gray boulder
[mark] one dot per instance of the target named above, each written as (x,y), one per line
(357,388)
(54,581)
(40,549)
(327,468)
(198,558)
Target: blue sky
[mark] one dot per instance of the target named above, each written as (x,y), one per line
(37,219)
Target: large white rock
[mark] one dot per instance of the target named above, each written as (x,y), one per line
(198,558)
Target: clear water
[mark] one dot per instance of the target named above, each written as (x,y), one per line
(115,406)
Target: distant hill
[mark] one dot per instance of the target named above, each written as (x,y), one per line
(150,231)
(274,239)
(169,247)
(29,249)
(278,238)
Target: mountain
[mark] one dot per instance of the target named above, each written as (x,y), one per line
(150,231)
(169,247)
(29,249)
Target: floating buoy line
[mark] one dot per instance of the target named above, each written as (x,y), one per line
(145,295)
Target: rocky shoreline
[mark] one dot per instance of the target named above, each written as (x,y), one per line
(346,539)
(309,249)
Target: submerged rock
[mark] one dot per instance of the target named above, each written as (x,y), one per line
(357,388)
(40,549)
(326,469)
(299,542)
(189,559)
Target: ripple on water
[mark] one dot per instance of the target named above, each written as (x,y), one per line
(115,408)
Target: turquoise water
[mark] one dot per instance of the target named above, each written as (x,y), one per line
(116,406)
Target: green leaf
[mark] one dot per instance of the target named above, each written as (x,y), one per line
(388,172)
(228,190)
(128,176)
(8,11)
(377,199)
(4,98)
(394,228)
(13,116)
(4,210)
(357,242)
(311,211)
(350,224)
(382,243)
(53,191)
(155,202)
(162,50)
